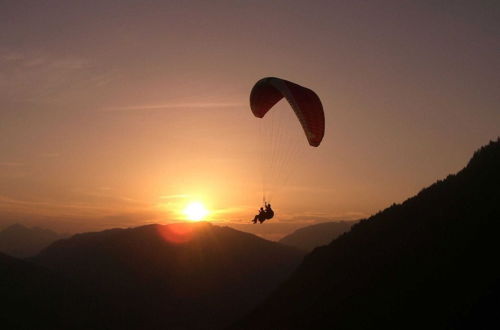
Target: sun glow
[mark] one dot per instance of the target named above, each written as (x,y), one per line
(195,211)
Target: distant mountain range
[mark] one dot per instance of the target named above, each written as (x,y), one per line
(310,237)
(428,263)
(20,241)
(178,276)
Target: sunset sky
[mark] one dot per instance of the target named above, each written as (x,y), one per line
(120,113)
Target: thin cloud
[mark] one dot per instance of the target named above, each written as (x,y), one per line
(7,200)
(195,105)
(104,193)
(55,208)
(311,219)
(12,201)
(11,164)
(51,154)
(45,77)
(178,196)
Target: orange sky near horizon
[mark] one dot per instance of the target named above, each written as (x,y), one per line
(133,110)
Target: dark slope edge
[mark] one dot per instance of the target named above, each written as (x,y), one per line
(310,237)
(32,297)
(430,262)
(172,276)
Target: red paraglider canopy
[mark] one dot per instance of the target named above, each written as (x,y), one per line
(304,102)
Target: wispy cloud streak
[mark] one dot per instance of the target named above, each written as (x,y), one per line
(11,164)
(194,105)
(178,196)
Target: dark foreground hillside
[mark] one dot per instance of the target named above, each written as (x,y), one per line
(32,297)
(179,276)
(310,237)
(428,263)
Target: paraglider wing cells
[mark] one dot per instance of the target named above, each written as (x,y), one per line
(304,102)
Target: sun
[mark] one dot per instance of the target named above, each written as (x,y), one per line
(195,211)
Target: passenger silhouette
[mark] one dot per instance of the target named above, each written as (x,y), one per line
(269,214)
(260,217)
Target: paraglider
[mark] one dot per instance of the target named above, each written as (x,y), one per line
(264,215)
(308,109)
(304,102)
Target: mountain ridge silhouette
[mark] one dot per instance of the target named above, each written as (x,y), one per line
(20,241)
(185,275)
